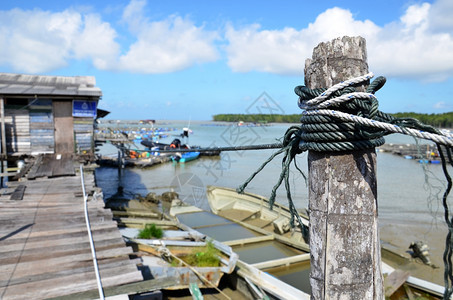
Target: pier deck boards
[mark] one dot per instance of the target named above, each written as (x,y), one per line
(52,165)
(44,246)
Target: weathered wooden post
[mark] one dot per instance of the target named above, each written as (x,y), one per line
(344,240)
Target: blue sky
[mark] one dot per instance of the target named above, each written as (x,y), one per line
(193,59)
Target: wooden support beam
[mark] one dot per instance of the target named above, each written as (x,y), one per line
(8,174)
(246,241)
(285,261)
(394,281)
(134,214)
(344,240)
(278,237)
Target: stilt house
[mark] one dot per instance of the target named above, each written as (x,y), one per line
(47,114)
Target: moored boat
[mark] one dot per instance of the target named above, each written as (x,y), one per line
(262,284)
(240,280)
(156,146)
(253,211)
(174,246)
(185,157)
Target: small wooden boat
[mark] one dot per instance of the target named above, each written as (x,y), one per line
(165,256)
(174,246)
(254,210)
(242,281)
(262,284)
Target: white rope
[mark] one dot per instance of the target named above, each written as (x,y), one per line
(440,139)
(336,87)
(316,106)
(93,251)
(337,100)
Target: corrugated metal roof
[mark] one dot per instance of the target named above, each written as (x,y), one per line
(23,84)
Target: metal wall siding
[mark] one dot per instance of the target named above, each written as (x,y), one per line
(42,131)
(83,131)
(17,126)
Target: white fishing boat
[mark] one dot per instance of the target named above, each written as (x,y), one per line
(174,246)
(242,280)
(250,277)
(252,211)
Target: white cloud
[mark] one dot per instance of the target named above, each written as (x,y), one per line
(96,41)
(266,51)
(412,48)
(416,16)
(165,46)
(442,105)
(284,51)
(440,16)
(133,15)
(37,44)
(39,41)
(419,45)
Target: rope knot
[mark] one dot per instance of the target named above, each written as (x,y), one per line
(323,130)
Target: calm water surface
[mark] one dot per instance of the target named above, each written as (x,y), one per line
(403,191)
(408,192)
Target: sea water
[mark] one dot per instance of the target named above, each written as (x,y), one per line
(409,193)
(402,185)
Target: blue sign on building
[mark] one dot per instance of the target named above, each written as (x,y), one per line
(84,108)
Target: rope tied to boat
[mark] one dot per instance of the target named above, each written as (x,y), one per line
(290,148)
(342,119)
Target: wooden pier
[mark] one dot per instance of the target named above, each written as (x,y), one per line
(44,245)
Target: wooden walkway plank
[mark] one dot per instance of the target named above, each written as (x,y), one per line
(52,248)
(130,288)
(43,229)
(82,268)
(18,193)
(64,166)
(35,167)
(66,285)
(54,264)
(44,247)
(99,234)
(22,233)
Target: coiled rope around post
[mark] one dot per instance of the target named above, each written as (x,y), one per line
(342,119)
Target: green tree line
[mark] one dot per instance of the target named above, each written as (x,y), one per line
(257,118)
(444,120)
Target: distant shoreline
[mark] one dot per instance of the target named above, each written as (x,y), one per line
(443,120)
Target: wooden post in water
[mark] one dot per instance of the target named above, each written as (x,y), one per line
(344,240)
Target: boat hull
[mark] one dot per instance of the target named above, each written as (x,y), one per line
(251,208)
(186,157)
